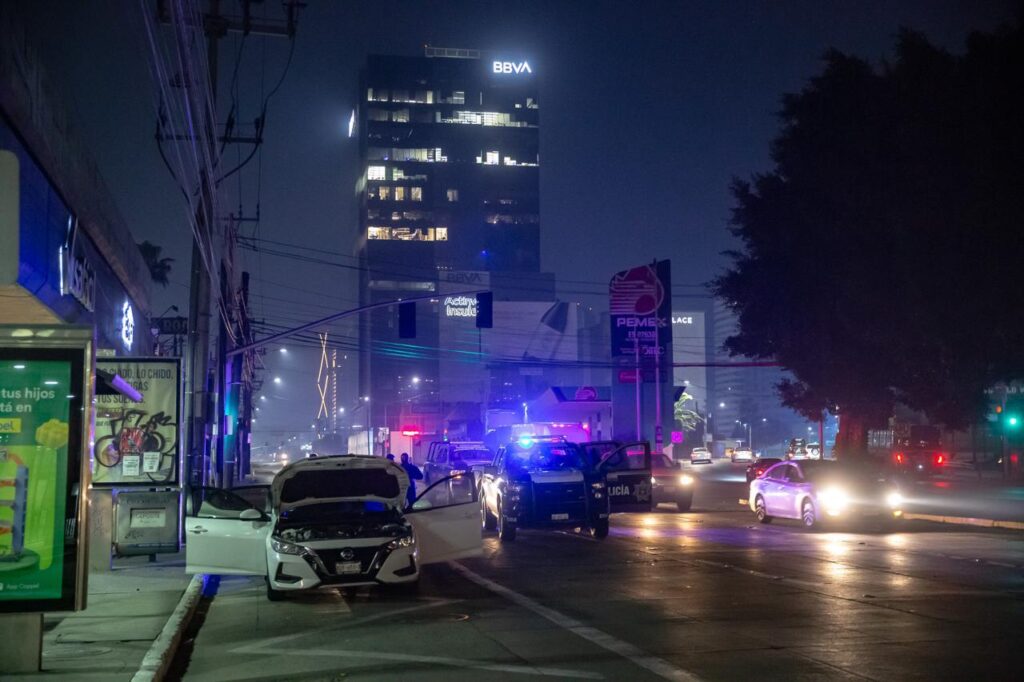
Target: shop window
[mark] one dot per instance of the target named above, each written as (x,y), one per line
(376,173)
(453,195)
(399,194)
(416,194)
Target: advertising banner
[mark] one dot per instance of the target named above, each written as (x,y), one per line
(42,424)
(640,310)
(139,443)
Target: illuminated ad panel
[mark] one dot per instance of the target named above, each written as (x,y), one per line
(43,427)
(138,443)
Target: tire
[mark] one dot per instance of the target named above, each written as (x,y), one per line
(761,511)
(488,521)
(506,529)
(684,505)
(599,530)
(808,516)
(274,595)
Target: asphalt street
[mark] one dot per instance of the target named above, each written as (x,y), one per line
(707,595)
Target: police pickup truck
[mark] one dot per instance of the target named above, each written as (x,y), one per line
(542,482)
(639,480)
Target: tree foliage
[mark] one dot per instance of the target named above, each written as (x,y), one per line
(687,418)
(882,255)
(159,268)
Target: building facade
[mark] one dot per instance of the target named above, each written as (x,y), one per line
(448,205)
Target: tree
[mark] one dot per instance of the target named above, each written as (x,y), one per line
(159,268)
(687,418)
(879,254)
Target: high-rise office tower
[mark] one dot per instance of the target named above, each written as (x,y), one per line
(448,202)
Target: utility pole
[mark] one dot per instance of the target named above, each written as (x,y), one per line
(201,383)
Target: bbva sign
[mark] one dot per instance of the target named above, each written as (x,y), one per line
(512,67)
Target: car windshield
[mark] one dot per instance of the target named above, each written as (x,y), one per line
(547,457)
(480,456)
(661,462)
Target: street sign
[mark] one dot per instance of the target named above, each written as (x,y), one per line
(170,325)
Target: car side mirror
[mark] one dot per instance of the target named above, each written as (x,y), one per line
(251,515)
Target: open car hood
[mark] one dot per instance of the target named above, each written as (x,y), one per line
(348,478)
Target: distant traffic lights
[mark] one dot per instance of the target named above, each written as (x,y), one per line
(407,320)
(485,310)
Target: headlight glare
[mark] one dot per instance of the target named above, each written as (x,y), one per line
(284,547)
(834,499)
(685,479)
(894,499)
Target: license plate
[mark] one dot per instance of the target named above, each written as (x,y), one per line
(347,567)
(559,517)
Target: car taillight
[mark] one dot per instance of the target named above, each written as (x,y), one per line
(939,458)
(899,457)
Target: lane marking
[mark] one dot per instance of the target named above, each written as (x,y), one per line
(654,664)
(393,656)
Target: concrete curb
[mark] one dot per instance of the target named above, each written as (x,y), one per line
(967,521)
(158,659)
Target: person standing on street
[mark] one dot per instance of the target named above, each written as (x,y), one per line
(414,475)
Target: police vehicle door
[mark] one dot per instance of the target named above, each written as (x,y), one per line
(627,470)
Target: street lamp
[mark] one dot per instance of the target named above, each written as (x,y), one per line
(277,380)
(415,380)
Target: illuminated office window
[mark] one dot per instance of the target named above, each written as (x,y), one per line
(384,193)
(378,233)
(441,234)
(376,173)
(377,114)
(399,194)
(399,95)
(400,116)
(492,159)
(453,195)
(416,194)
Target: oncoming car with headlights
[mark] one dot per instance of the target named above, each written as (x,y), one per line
(814,491)
(331,522)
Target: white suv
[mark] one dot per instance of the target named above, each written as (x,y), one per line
(330,522)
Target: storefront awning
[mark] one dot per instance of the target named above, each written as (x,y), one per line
(109,383)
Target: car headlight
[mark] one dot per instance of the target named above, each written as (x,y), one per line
(403,541)
(597,485)
(284,547)
(894,499)
(834,499)
(685,479)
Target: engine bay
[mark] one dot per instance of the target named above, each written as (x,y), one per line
(306,532)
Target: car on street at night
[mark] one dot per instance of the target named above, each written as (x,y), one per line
(698,455)
(814,491)
(542,482)
(758,467)
(335,521)
(671,484)
(447,458)
(742,455)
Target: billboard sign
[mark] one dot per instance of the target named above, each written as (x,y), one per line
(639,306)
(43,425)
(139,443)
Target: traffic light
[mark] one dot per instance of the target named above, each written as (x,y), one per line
(407,320)
(1011,416)
(485,310)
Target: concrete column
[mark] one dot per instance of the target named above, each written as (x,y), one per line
(21,643)
(101,524)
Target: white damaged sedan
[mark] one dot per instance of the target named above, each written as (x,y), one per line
(331,522)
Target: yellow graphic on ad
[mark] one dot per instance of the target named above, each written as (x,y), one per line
(10,425)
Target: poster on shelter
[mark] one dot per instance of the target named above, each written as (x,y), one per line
(35,408)
(138,443)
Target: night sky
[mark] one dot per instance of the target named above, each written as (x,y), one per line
(648,109)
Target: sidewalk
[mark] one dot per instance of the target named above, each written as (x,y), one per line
(127,609)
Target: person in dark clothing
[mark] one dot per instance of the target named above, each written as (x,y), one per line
(414,475)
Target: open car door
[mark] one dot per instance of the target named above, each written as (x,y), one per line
(446,518)
(627,470)
(226,531)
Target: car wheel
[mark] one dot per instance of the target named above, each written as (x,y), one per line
(487,519)
(599,529)
(761,511)
(684,505)
(272,594)
(807,514)
(506,528)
